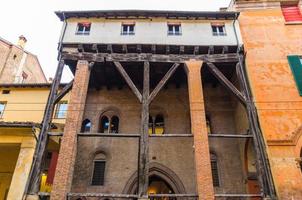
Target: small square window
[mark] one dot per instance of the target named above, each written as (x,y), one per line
(128,29)
(61,110)
(2,108)
(83,28)
(218,30)
(174,29)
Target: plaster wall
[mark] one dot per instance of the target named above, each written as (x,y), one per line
(151,31)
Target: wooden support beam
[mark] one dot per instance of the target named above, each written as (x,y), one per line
(173,195)
(102,195)
(230,135)
(128,80)
(55,134)
(196,50)
(143,164)
(211,50)
(153,48)
(226,83)
(167,49)
(124,48)
(33,186)
(139,48)
(63,92)
(109,48)
(172,135)
(108,135)
(95,48)
(181,49)
(135,57)
(162,82)
(225,49)
(239,195)
(81,48)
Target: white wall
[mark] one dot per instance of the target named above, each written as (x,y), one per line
(194,32)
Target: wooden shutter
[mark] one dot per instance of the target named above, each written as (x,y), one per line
(296,67)
(291,13)
(98,172)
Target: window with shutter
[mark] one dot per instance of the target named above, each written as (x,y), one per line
(98,172)
(214,168)
(296,67)
(291,13)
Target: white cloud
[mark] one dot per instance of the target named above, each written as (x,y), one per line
(35,19)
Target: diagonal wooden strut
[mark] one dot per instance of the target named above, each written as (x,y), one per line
(162,82)
(130,83)
(226,83)
(63,92)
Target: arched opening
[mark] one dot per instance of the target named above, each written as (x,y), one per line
(159,124)
(250,168)
(104,125)
(162,180)
(157,185)
(86,126)
(114,124)
(98,173)
(150,125)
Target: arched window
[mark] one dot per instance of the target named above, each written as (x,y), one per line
(98,175)
(150,125)
(156,124)
(104,125)
(214,168)
(159,124)
(208,125)
(109,124)
(114,124)
(86,126)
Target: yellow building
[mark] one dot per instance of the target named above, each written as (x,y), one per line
(21,111)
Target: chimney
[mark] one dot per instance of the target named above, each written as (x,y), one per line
(22,41)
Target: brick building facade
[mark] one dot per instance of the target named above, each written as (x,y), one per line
(18,65)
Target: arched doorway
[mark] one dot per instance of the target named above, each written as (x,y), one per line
(162,180)
(157,185)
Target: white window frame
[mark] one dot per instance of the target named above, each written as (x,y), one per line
(128,32)
(173,32)
(217,32)
(84,31)
(4,103)
(57,113)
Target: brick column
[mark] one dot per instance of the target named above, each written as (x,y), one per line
(65,166)
(199,130)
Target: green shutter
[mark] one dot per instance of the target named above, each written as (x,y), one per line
(296,67)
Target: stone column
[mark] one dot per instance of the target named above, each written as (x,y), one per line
(199,130)
(22,169)
(65,166)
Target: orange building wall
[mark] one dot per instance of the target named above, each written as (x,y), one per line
(268,41)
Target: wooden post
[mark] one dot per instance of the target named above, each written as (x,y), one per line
(35,174)
(143,168)
(199,130)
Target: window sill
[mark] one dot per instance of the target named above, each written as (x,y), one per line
(293,23)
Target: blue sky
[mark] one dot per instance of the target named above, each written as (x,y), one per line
(35,19)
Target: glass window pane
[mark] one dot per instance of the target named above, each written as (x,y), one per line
(125,28)
(177,28)
(170,28)
(86,126)
(131,28)
(104,126)
(2,107)
(61,110)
